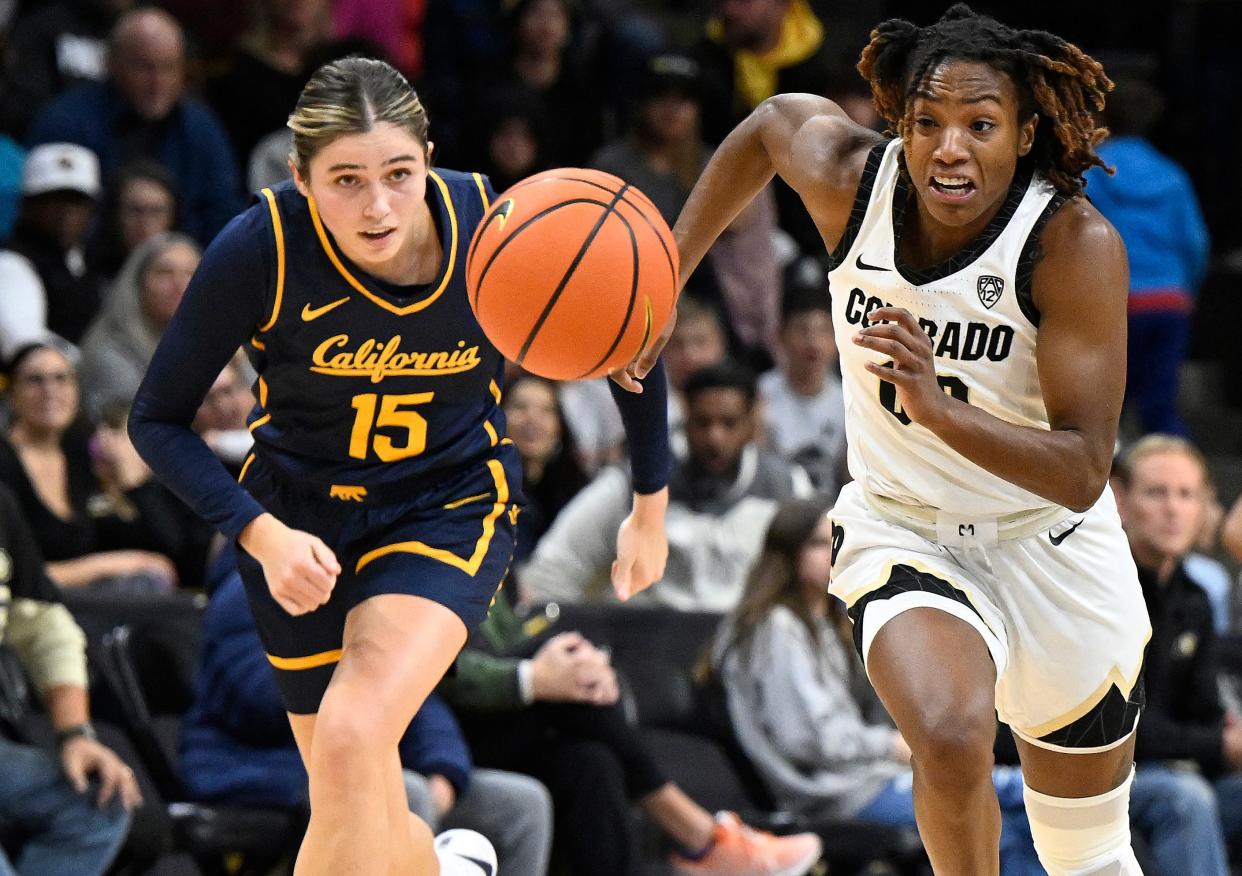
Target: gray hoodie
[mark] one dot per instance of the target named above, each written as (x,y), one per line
(715,531)
(796,711)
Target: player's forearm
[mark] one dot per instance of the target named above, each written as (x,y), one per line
(186,465)
(651,506)
(1064,466)
(645,417)
(736,173)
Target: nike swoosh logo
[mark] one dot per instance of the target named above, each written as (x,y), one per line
(311,313)
(485,866)
(502,212)
(1057,539)
(863,266)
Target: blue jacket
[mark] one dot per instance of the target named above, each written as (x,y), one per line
(192,145)
(11,158)
(236,744)
(1151,202)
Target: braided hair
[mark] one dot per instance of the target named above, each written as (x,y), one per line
(1054,78)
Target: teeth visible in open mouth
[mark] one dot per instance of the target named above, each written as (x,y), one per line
(375,235)
(952,182)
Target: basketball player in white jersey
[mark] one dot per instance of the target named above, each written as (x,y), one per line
(980,308)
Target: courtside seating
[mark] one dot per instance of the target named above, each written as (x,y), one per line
(687,725)
(144,651)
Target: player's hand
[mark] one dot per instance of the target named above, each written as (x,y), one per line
(82,757)
(300,569)
(628,377)
(642,546)
(913,371)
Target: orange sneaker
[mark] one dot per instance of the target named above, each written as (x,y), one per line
(740,850)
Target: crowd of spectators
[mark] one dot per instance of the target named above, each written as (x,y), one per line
(131,132)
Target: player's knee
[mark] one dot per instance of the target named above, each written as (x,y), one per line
(954,745)
(344,735)
(1087,836)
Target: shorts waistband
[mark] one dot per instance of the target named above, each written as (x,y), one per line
(957,529)
(372,493)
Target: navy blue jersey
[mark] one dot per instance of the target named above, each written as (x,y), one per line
(363,385)
(367,390)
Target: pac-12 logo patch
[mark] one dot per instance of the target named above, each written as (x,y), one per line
(990,289)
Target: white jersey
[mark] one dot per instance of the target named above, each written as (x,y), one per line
(978,311)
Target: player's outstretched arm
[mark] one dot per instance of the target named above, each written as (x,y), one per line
(789,135)
(1080,288)
(806,140)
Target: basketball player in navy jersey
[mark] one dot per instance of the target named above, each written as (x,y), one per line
(376,515)
(980,308)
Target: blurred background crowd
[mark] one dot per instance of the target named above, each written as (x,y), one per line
(131,132)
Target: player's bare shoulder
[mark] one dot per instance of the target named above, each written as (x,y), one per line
(1079,230)
(1079,251)
(817,149)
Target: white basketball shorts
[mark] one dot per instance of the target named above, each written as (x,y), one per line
(1060,609)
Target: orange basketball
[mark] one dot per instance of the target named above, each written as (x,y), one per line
(572,273)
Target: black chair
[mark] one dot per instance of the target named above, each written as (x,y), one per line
(143,650)
(236,841)
(223,840)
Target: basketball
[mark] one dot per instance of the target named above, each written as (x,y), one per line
(572,273)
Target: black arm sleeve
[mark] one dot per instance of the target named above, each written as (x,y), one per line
(645,416)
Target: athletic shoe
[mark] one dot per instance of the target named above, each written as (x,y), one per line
(465,853)
(740,850)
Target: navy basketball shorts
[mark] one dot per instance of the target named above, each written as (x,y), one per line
(450,542)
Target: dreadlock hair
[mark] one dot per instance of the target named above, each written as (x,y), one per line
(1054,78)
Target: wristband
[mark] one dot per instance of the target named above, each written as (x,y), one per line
(85,729)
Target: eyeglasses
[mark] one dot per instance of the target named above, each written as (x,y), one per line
(46,378)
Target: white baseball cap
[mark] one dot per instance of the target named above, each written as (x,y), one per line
(55,167)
